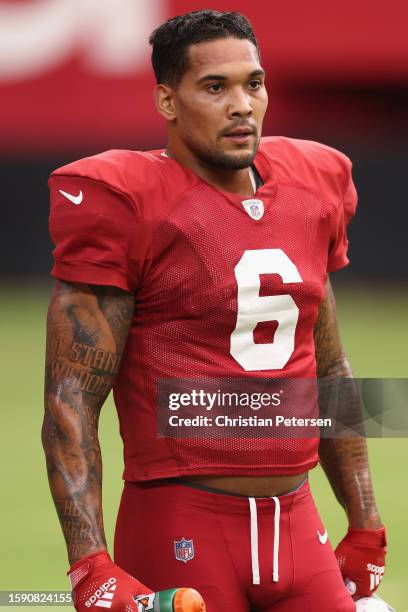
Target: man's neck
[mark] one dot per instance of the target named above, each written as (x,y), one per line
(233,181)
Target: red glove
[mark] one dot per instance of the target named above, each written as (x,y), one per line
(361,557)
(97,584)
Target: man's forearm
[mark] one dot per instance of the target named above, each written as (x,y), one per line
(346,465)
(75,477)
(345,459)
(86,334)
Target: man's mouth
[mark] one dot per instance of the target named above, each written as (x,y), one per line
(240,135)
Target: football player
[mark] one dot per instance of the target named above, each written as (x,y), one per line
(205,260)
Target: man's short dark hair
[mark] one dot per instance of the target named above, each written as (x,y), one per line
(171,40)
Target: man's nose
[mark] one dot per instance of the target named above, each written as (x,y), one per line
(239,103)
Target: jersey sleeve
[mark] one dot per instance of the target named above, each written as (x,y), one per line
(341,218)
(98,234)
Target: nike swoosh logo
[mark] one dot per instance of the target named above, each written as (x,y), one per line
(323,537)
(72,198)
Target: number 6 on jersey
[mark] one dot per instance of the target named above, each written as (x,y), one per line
(254,309)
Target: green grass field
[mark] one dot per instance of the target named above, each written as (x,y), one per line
(375,332)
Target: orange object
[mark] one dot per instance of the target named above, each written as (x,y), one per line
(188,600)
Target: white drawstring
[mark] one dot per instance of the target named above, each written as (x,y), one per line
(275,574)
(254,541)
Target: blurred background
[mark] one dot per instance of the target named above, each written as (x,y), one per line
(75,79)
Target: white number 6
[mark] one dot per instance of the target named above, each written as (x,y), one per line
(253,309)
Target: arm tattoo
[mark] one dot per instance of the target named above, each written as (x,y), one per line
(87,328)
(344,459)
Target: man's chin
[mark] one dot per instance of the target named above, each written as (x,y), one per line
(220,158)
(235,160)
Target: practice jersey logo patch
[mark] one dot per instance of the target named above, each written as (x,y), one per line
(254,208)
(184,550)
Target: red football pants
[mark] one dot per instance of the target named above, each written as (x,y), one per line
(169,534)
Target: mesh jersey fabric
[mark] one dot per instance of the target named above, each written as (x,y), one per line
(150,226)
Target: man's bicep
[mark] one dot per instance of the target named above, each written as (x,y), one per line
(329,349)
(87,329)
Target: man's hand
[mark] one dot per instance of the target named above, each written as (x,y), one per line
(98,583)
(361,557)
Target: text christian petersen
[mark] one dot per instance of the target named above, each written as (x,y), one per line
(218,400)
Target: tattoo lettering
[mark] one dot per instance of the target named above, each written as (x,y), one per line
(69,508)
(94,358)
(83,354)
(79,530)
(76,531)
(87,329)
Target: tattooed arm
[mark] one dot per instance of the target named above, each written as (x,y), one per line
(87,328)
(344,460)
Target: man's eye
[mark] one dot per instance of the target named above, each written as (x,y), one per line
(215,87)
(256,84)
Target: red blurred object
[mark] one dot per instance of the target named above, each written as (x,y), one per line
(69,80)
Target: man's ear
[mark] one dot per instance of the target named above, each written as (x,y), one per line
(164,99)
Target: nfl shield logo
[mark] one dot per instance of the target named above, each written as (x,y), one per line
(184,550)
(254,208)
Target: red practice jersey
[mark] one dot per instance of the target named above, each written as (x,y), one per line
(225,286)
